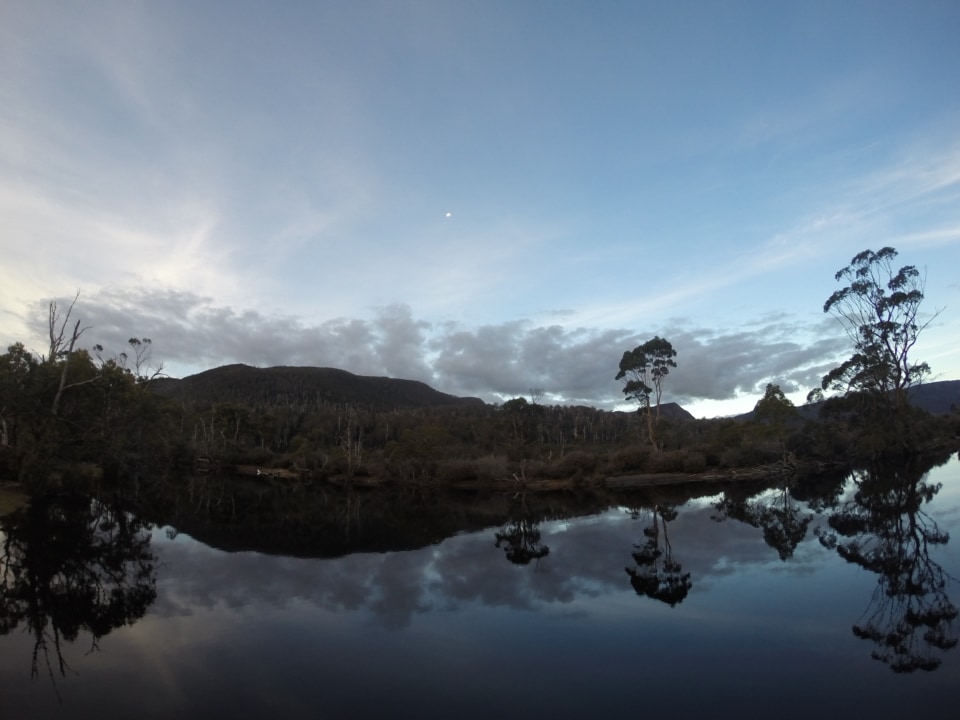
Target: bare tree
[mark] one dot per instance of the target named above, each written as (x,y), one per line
(62,345)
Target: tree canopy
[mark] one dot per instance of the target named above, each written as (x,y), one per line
(643,371)
(880,311)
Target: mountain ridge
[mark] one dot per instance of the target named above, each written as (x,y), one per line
(240,383)
(937,398)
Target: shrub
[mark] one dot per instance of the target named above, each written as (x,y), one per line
(254,456)
(694,461)
(667,461)
(749,456)
(572,463)
(491,467)
(634,458)
(483,470)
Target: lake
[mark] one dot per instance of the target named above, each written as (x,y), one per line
(826,599)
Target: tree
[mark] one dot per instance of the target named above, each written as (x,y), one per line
(140,353)
(62,346)
(774,412)
(64,408)
(517,414)
(879,310)
(643,371)
(17,378)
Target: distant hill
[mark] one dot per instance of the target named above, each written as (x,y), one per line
(672,411)
(938,398)
(247,385)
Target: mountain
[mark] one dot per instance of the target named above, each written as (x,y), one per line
(245,385)
(672,411)
(937,398)
(242,384)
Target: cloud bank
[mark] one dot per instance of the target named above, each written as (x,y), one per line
(572,365)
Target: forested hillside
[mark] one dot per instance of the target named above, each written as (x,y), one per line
(304,386)
(327,425)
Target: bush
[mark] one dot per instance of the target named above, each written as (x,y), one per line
(667,461)
(572,463)
(483,470)
(254,456)
(491,467)
(694,461)
(749,456)
(452,471)
(634,458)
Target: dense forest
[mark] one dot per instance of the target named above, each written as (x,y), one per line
(74,413)
(309,424)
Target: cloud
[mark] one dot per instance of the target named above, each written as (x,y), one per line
(721,365)
(586,560)
(191,333)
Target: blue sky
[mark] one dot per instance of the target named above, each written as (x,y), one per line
(487,196)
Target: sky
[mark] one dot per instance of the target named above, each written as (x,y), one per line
(487,196)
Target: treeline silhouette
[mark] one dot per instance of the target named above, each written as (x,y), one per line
(324,425)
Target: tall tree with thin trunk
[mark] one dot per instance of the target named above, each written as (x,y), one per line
(643,371)
(880,311)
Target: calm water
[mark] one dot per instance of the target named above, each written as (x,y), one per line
(719,604)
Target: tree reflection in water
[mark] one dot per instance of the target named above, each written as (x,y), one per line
(774,511)
(72,565)
(521,537)
(884,529)
(657,575)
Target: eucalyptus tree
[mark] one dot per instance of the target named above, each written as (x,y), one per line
(880,312)
(774,413)
(18,370)
(67,407)
(643,371)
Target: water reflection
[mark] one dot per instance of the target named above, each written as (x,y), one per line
(412,592)
(775,511)
(69,566)
(884,528)
(657,574)
(521,537)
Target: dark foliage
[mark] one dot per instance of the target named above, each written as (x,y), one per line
(72,565)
